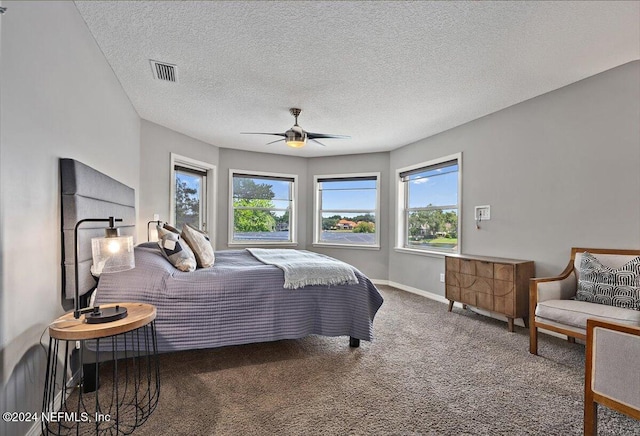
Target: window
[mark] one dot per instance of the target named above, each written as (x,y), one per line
(191,197)
(262,208)
(347,210)
(430,208)
(191,193)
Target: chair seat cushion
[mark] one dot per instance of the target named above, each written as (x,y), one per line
(575,313)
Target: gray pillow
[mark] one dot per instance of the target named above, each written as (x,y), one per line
(601,284)
(176,250)
(200,244)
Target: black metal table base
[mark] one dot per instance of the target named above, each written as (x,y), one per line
(126,372)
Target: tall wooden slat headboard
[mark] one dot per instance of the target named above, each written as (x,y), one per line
(87,193)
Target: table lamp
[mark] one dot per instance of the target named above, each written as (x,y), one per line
(113,253)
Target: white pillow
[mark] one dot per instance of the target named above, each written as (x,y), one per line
(200,244)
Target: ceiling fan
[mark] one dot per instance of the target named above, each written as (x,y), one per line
(296,137)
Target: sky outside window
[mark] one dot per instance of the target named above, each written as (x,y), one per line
(349,195)
(436,187)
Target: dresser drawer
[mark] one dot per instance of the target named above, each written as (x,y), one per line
(483,269)
(503,289)
(468,267)
(504,305)
(452,278)
(503,271)
(452,264)
(452,293)
(482,285)
(484,301)
(468,297)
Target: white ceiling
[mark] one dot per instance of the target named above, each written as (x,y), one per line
(385,73)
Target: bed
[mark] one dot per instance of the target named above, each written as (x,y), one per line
(238,300)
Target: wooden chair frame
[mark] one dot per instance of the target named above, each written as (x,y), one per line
(533,297)
(591,398)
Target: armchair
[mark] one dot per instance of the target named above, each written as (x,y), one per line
(551,303)
(611,371)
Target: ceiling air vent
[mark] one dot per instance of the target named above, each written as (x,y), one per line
(164,71)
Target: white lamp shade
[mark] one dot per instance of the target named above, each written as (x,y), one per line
(153,234)
(112,254)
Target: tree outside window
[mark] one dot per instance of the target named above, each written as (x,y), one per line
(431,206)
(189,198)
(262,208)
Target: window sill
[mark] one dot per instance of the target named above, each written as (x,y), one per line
(438,254)
(356,247)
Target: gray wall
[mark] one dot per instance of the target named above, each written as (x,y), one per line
(60,98)
(559,170)
(373,263)
(156,145)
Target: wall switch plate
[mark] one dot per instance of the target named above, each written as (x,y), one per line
(483,213)
(77,345)
(441,278)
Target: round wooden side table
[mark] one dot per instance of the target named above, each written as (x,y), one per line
(118,358)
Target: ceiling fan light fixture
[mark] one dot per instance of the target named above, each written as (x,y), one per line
(296,144)
(295,138)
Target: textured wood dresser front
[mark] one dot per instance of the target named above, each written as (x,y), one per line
(496,284)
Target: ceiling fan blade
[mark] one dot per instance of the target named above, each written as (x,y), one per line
(312,135)
(317,142)
(262,133)
(273,142)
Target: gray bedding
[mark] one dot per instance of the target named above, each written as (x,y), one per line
(237,301)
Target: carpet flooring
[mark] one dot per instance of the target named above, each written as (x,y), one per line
(427,372)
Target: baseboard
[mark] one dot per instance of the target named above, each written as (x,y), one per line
(427,294)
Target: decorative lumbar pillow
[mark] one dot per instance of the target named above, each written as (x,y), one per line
(200,244)
(176,250)
(601,284)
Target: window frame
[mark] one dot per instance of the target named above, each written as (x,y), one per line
(317,208)
(293,228)
(210,191)
(402,207)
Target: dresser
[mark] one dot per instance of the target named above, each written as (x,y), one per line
(496,284)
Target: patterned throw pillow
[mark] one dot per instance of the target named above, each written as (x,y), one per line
(176,250)
(200,244)
(601,284)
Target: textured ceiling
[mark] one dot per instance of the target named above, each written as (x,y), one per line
(385,73)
